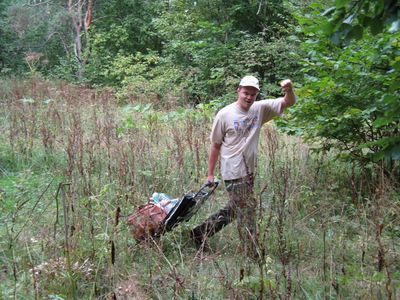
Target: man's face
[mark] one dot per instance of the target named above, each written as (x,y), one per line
(246,97)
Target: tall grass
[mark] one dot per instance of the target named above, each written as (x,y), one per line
(74,164)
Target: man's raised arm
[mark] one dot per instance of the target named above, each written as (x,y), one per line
(290,98)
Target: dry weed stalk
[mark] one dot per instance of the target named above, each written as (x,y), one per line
(285,168)
(179,148)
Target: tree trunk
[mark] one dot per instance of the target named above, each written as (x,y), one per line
(81,15)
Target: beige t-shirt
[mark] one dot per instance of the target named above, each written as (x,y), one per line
(238,131)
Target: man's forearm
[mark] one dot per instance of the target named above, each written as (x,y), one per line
(289,98)
(213,158)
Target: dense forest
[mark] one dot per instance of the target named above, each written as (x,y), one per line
(105,102)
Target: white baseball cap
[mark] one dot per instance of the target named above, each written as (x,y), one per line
(250,81)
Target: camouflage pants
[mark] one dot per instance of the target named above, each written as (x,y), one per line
(242,207)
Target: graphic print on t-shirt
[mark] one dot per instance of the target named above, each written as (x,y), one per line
(243,127)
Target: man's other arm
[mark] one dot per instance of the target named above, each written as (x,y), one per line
(212,160)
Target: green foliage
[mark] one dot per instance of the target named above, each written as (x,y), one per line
(349,99)
(348,19)
(36,36)
(203,53)
(271,60)
(123,30)
(107,54)
(134,18)
(66,69)
(5,40)
(147,78)
(191,51)
(215,50)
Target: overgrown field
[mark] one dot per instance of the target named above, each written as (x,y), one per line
(74,163)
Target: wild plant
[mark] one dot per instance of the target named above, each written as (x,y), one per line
(74,164)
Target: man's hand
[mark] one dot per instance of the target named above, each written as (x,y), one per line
(286,86)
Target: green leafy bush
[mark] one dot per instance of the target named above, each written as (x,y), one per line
(349,100)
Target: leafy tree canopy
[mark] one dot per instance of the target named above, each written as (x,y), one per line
(349,100)
(347,19)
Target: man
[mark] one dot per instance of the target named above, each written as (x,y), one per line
(234,137)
